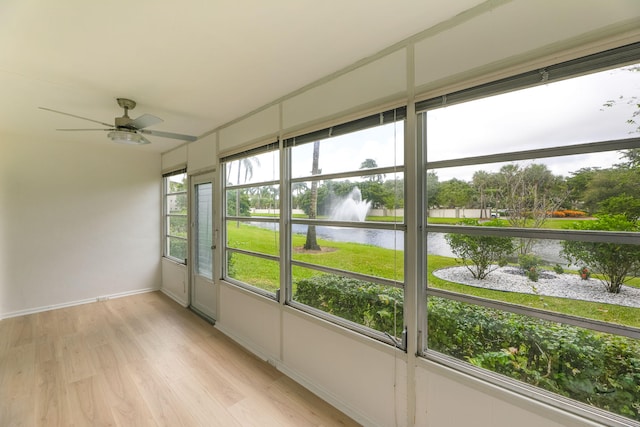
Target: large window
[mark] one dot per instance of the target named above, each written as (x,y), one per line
(347,224)
(175,216)
(341,253)
(251,222)
(533,233)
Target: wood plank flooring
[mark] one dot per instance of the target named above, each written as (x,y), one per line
(142,361)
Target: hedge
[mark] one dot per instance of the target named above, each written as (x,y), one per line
(365,303)
(599,369)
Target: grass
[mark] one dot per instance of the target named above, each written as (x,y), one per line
(629,316)
(376,261)
(550,223)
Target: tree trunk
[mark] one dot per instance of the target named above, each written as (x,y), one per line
(311,243)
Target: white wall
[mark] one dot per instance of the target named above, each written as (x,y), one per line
(78,222)
(448,398)
(175,281)
(369,380)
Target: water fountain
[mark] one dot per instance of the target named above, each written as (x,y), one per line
(351,208)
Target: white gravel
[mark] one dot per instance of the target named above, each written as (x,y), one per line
(571,286)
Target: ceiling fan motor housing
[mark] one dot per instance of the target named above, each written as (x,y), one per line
(123,122)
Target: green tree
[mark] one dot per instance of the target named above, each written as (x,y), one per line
(374,192)
(455,193)
(297,189)
(323,200)
(628,206)
(238,207)
(394,193)
(481,254)
(483,182)
(602,185)
(577,185)
(433,188)
(615,262)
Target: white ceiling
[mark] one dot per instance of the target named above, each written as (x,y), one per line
(195,63)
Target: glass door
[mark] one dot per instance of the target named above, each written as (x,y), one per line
(203,288)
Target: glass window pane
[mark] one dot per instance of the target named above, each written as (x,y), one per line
(262,237)
(381,146)
(175,216)
(367,251)
(375,306)
(254,169)
(176,183)
(367,198)
(177,226)
(254,201)
(255,271)
(594,107)
(204,221)
(533,193)
(588,279)
(177,248)
(176,203)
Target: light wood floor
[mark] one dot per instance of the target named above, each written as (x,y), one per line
(141,361)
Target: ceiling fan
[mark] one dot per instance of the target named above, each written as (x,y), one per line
(127,130)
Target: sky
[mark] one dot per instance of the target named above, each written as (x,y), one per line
(560,113)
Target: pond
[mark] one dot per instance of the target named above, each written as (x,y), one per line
(548,250)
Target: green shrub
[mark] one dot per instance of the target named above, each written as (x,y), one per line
(376,306)
(529,264)
(615,262)
(595,368)
(527,261)
(599,369)
(558,269)
(480,254)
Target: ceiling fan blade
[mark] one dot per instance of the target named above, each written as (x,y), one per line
(77,117)
(67,130)
(144,121)
(168,135)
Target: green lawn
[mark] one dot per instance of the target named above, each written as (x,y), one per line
(376,261)
(551,223)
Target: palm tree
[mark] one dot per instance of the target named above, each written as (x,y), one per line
(370,164)
(312,243)
(247,162)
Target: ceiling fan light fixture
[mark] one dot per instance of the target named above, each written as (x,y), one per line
(127,137)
